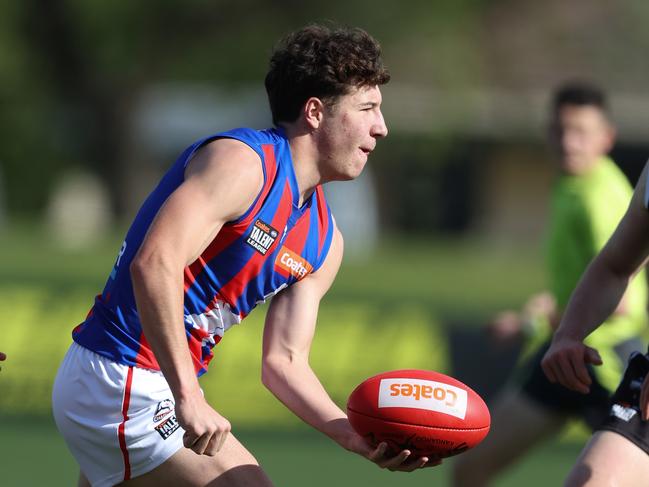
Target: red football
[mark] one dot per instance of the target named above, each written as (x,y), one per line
(428,413)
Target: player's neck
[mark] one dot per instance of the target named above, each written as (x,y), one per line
(305,160)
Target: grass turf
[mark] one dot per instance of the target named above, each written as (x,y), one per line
(33,453)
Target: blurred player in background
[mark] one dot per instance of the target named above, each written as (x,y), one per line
(589,197)
(618,452)
(239,218)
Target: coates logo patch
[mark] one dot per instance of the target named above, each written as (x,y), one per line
(261,237)
(423,394)
(292,263)
(164,408)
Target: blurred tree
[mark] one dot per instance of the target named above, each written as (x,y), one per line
(72,71)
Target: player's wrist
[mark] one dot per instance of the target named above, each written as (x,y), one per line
(565,335)
(342,433)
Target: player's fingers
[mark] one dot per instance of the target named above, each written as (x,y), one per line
(222,435)
(581,372)
(547,364)
(593,356)
(189,439)
(378,452)
(433,462)
(200,444)
(395,462)
(212,446)
(568,374)
(411,465)
(561,370)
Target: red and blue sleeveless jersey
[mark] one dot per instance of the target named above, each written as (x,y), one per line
(273,245)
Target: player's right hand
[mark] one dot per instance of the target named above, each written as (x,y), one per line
(401,462)
(565,363)
(205,429)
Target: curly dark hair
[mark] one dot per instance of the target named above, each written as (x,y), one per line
(323,62)
(579,93)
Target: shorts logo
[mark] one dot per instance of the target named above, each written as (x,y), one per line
(292,263)
(164,408)
(167,427)
(623,413)
(423,394)
(261,237)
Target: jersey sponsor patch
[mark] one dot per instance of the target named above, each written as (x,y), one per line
(262,236)
(292,263)
(423,394)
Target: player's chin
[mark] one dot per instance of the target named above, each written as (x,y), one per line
(356,168)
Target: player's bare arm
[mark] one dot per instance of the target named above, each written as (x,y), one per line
(288,334)
(221,182)
(597,296)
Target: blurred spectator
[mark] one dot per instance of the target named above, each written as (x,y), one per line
(589,197)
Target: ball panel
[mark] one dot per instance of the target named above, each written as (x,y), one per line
(420,440)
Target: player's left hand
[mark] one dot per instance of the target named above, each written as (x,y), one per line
(565,362)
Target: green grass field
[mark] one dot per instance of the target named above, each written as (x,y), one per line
(33,453)
(401,298)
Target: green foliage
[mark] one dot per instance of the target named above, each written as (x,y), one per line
(386,312)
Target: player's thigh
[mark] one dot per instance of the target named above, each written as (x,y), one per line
(232,466)
(517,424)
(609,459)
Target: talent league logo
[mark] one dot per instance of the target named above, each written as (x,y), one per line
(262,237)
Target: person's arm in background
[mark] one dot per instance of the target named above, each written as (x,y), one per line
(598,295)
(288,333)
(220,184)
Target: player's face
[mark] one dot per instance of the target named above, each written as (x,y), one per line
(581,134)
(350,131)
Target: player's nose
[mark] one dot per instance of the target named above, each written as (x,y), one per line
(379,129)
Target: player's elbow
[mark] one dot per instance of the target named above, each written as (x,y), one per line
(151,266)
(277,370)
(272,371)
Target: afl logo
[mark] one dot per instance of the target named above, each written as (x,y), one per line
(164,408)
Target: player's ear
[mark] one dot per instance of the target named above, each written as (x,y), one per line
(313,112)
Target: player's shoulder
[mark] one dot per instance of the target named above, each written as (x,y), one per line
(225,154)
(253,137)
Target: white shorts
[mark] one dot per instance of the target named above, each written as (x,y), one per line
(118,421)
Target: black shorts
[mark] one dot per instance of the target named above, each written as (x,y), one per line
(592,407)
(624,415)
